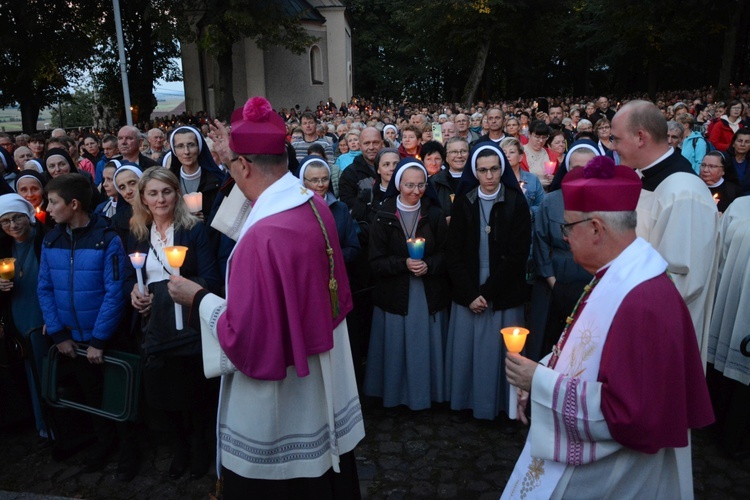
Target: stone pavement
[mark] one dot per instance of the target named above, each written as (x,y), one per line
(436,453)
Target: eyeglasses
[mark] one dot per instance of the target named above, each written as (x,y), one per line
(710,167)
(565,228)
(540,138)
(485,171)
(16,219)
(411,185)
(462,152)
(323,180)
(191,146)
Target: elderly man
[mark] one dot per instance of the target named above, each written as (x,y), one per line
(449,131)
(289,415)
(156,139)
(129,145)
(676,213)
(614,402)
(463,130)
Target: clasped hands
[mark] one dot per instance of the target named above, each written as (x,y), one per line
(416,266)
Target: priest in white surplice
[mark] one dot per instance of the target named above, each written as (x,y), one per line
(676,212)
(612,405)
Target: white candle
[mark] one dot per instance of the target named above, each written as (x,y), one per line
(194,201)
(176,257)
(138,259)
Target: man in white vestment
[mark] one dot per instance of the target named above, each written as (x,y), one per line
(612,405)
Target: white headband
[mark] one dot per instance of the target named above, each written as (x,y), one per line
(182,130)
(12,203)
(474,159)
(135,170)
(411,164)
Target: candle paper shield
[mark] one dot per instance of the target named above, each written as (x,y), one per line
(416,248)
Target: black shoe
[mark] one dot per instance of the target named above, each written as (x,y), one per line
(97,458)
(179,465)
(199,460)
(127,468)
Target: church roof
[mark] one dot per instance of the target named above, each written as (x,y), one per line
(303,10)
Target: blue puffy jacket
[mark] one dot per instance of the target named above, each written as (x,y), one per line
(81,281)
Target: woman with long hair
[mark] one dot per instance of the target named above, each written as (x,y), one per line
(737,153)
(173,374)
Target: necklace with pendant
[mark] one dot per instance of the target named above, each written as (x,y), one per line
(485,220)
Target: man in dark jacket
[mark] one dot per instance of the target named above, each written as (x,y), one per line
(355,185)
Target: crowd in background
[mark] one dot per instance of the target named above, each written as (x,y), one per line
(390,173)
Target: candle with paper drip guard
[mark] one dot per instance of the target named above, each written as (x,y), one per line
(194,201)
(8,268)
(416,248)
(549,167)
(176,257)
(514,338)
(138,259)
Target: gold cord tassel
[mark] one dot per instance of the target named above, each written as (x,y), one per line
(333,286)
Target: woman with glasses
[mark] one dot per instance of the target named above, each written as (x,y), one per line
(602,129)
(713,169)
(315,175)
(409,324)
(446,181)
(191,162)
(488,245)
(22,240)
(721,132)
(537,159)
(737,153)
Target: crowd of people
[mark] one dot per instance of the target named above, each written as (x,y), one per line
(441,225)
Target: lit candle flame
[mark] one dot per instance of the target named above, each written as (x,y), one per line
(716,198)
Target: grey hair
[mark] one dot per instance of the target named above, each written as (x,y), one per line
(618,222)
(673,125)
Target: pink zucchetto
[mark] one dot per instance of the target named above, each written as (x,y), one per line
(601,186)
(257,129)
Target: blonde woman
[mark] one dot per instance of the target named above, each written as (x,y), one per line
(173,376)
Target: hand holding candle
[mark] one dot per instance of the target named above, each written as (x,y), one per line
(514,338)
(138,260)
(8,268)
(416,248)
(176,257)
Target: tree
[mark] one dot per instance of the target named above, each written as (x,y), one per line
(43,43)
(150,39)
(218,24)
(76,111)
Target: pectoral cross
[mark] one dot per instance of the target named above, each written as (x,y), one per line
(303,190)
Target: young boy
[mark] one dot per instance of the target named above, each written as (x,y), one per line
(81,291)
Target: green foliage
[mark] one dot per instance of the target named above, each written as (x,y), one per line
(150,39)
(425,51)
(77,110)
(42,44)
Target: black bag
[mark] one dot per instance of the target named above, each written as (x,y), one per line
(12,350)
(160,335)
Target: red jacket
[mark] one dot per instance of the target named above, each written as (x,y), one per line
(720,134)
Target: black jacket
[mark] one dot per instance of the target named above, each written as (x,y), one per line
(356,188)
(388,254)
(440,181)
(509,239)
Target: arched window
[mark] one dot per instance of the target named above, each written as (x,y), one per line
(316,65)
